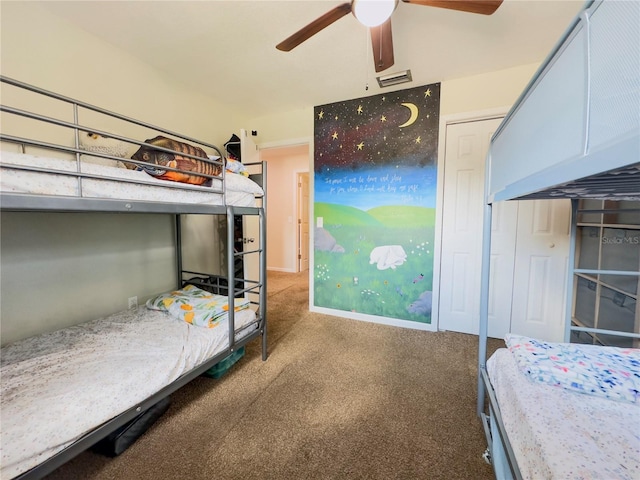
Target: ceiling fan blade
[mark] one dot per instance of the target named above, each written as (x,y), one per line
(314,27)
(484,7)
(382,42)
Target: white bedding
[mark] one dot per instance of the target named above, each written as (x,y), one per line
(58,386)
(560,434)
(239,190)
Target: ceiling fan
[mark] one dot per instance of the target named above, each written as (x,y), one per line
(376,14)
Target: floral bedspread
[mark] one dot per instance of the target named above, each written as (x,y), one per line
(609,372)
(195,306)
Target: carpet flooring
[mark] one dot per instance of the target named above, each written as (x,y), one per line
(336,399)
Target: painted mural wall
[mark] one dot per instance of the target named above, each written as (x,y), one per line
(375,172)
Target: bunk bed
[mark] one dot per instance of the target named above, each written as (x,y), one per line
(64,390)
(574,133)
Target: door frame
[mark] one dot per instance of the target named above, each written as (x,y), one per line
(299,175)
(445,121)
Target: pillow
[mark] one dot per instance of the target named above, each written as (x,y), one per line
(154,161)
(195,306)
(234,166)
(92,142)
(240,183)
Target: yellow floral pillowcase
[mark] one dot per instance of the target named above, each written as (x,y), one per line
(195,306)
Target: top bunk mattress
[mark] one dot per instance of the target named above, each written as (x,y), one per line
(40,175)
(61,154)
(575,130)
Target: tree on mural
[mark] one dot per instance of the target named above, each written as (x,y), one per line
(375,166)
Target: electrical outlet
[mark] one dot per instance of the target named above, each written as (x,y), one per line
(133,302)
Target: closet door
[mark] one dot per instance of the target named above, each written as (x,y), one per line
(466,146)
(540,274)
(529,248)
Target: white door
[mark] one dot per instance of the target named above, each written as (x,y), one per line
(529,248)
(250,224)
(303,222)
(466,146)
(540,275)
(504,221)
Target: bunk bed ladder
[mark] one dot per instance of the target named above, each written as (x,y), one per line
(251,286)
(572,325)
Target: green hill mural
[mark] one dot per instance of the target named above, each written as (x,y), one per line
(388,216)
(401,216)
(334,214)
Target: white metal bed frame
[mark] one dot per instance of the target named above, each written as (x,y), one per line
(607,171)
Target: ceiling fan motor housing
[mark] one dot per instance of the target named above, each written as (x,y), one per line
(372,13)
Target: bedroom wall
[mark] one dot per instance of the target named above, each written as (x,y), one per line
(44,50)
(93,267)
(469,94)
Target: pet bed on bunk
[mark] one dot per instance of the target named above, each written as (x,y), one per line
(58,386)
(58,177)
(567,413)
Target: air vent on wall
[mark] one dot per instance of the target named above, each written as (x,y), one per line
(394,78)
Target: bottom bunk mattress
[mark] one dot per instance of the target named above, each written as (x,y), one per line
(557,433)
(58,386)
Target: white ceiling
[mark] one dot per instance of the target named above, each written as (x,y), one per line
(226,49)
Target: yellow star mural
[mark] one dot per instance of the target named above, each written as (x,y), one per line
(359,110)
(335,135)
(360,145)
(321,114)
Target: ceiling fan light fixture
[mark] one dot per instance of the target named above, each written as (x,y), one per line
(372,13)
(394,78)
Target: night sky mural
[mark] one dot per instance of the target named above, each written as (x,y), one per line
(375,171)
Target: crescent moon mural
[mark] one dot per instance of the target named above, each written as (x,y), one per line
(414,114)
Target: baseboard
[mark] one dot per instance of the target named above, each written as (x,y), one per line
(279,269)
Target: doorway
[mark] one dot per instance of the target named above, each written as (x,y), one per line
(287,167)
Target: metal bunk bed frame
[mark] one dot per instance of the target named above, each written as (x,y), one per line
(32,203)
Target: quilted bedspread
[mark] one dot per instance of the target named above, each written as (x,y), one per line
(60,385)
(558,433)
(609,372)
